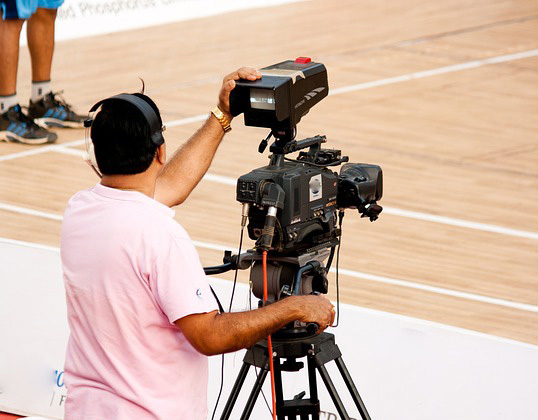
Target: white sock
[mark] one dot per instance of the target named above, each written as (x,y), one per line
(40,89)
(7,102)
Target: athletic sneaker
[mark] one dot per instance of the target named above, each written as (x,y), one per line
(53,111)
(16,127)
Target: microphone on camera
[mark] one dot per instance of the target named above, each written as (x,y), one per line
(273,197)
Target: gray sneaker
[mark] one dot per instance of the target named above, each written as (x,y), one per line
(17,127)
(53,111)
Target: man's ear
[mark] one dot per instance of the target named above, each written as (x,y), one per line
(161,154)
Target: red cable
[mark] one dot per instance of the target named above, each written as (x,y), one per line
(269,343)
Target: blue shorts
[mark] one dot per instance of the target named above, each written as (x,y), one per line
(24,9)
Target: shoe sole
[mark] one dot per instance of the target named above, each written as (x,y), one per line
(10,137)
(53,122)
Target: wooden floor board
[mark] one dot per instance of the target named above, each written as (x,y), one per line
(459,144)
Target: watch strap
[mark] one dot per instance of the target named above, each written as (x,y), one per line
(219,115)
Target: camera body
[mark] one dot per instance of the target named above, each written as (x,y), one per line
(308,195)
(309,211)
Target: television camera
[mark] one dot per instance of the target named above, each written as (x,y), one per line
(294,208)
(293,204)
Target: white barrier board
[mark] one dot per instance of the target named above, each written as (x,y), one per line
(404,368)
(81,18)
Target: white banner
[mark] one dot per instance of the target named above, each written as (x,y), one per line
(77,18)
(404,368)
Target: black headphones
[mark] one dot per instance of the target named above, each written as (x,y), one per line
(156,129)
(151,117)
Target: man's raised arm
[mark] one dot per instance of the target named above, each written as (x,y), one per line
(191,161)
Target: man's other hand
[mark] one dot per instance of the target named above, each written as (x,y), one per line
(228,84)
(316,309)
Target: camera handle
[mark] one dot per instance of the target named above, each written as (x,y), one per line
(311,266)
(231,262)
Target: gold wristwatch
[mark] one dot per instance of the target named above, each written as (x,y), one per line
(221,118)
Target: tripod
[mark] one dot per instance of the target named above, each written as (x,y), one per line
(319,350)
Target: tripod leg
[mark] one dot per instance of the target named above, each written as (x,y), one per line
(312,381)
(312,385)
(352,388)
(279,392)
(254,394)
(235,392)
(333,393)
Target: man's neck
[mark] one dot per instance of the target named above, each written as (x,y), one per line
(139,182)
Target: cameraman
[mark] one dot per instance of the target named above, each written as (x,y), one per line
(140,310)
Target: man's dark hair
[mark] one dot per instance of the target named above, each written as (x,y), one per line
(122,139)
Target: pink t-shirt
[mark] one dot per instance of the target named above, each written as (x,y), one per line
(130,271)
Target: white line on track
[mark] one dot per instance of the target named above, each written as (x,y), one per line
(69,151)
(460,223)
(434,72)
(418,215)
(220,179)
(187,120)
(343,271)
(30,212)
(41,149)
(338,91)
(439,290)
(226,180)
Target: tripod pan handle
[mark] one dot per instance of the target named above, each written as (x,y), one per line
(312,328)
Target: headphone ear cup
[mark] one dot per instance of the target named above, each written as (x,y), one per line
(89,158)
(91,155)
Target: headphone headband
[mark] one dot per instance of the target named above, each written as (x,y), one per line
(147,111)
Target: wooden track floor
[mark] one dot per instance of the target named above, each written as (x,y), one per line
(460,144)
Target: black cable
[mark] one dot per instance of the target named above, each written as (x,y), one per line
(340,218)
(330,260)
(229,310)
(221,385)
(236,268)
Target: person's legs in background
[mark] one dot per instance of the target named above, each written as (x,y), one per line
(15,126)
(10,30)
(46,107)
(40,34)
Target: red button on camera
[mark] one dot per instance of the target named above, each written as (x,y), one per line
(303,60)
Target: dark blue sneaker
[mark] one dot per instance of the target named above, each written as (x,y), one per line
(53,111)
(16,127)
